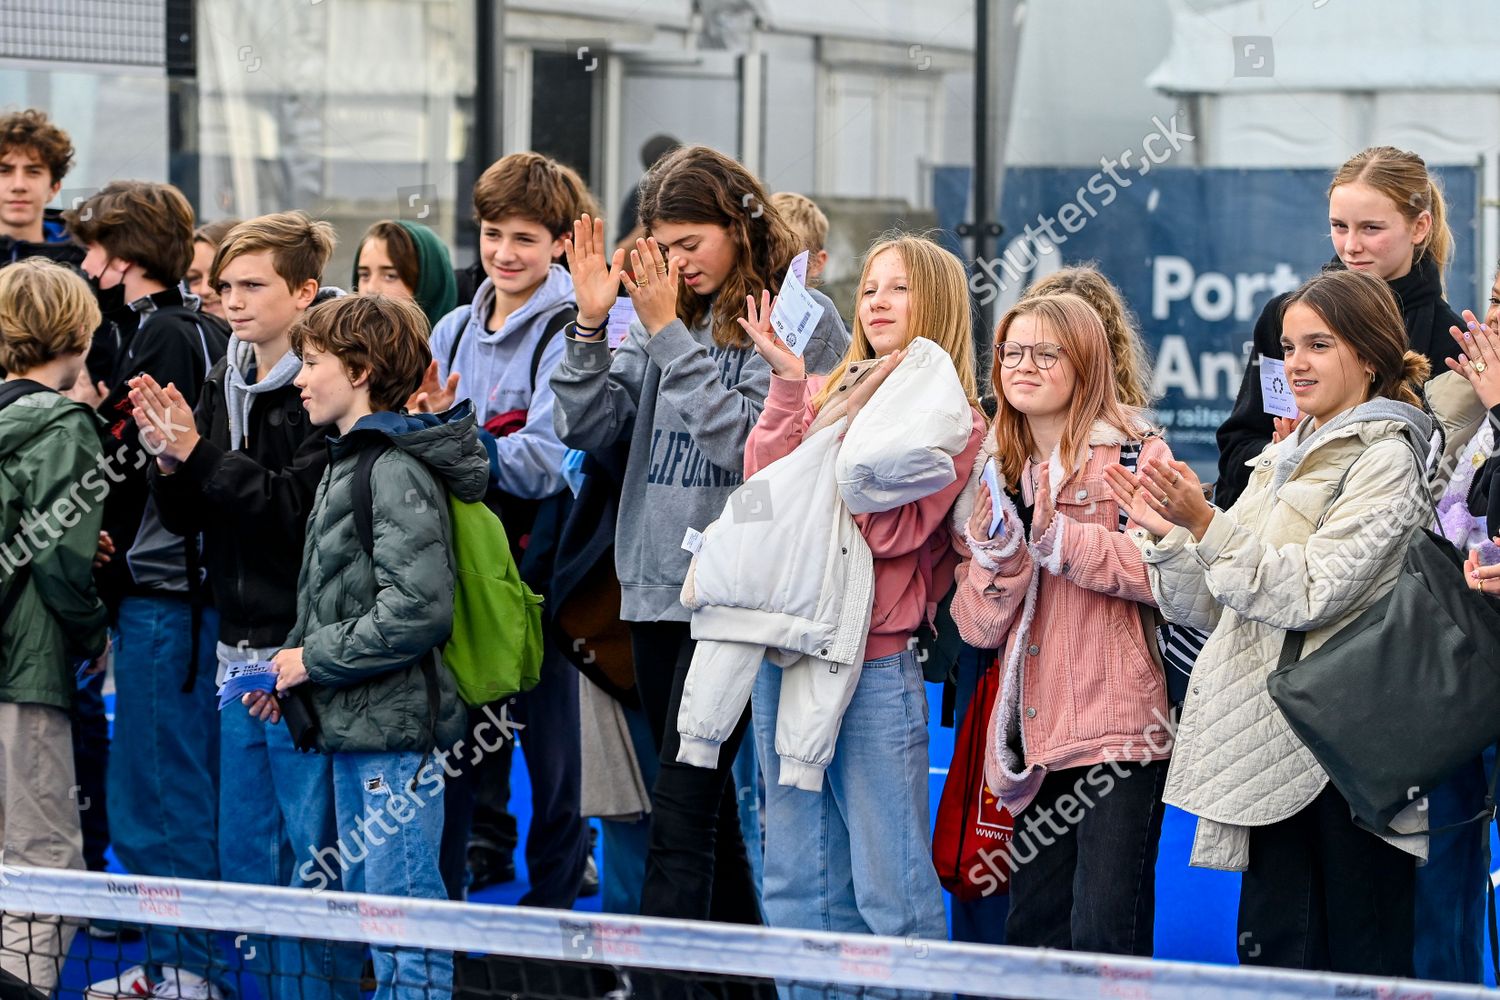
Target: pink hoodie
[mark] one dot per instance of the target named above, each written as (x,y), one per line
(912,545)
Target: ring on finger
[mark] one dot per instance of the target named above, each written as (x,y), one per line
(1479,367)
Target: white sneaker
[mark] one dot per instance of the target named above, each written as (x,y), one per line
(133,982)
(179,984)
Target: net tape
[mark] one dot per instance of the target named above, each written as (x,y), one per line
(677,945)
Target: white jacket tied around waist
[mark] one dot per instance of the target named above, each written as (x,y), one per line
(785,575)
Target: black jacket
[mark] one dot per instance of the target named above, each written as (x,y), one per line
(172,345)
(251,506)
(56,245)
(1248,430)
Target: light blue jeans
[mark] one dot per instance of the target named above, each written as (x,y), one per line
(163,782)
(390,831)
(276,810)
(855,857)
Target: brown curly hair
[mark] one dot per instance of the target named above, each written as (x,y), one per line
(33,130)
(379,334)
(698,184)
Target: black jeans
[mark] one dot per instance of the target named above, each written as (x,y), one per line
(1085,857)
(696,865)
(1321,893)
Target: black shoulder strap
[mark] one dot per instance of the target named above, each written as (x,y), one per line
(10,392)
(364,497)
(458,339)
(555,325)
(16,388)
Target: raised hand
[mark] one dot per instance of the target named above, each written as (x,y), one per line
(1480,360)
(757,324)
(596,278)
(654,290)
(433,396)
(1285,426)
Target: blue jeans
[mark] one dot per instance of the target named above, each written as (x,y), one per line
(626,841)
(164,783)
(390,830)
(1451,887)
(857,856)
(276,808)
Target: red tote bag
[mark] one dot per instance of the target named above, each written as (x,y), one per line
(971,840)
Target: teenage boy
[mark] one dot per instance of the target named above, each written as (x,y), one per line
(367,624)
(242,470)
(34,157)
(498,352)
(139,238)
(808,222)
(51,617)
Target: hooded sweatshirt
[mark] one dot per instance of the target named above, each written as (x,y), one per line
(367,622)
(437,290)
(494,373)
(51,473)
(687,406)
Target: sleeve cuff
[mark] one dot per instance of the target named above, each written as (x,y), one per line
(990,552)
(201,461)
(1214,540)
(1049,548)
(669,344)
(696,751)
(787,394)
(587,355)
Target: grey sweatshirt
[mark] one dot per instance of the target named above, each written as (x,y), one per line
(688,406)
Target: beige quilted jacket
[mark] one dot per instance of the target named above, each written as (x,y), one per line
(1265,567)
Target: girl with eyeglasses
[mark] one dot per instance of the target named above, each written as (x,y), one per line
(1079,738)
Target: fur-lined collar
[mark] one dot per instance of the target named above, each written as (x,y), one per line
(1101,435)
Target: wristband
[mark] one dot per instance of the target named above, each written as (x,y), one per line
(590,331)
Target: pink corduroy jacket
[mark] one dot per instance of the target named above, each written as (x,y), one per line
(1080,686)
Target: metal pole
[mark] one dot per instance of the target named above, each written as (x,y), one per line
(997,43)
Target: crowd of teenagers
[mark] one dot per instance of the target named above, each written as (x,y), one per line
(211,460)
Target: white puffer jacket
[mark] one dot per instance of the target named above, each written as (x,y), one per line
(1266,567)
(784,573)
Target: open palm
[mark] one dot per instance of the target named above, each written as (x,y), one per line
(596,277)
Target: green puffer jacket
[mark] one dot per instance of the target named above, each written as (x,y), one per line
(366,628)
(51,473)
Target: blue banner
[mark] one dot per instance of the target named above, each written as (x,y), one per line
(1197,254)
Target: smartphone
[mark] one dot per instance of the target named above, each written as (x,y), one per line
(855,374)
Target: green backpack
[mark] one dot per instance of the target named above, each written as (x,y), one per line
(495,648)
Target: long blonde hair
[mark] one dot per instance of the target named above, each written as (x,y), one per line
(1402,176)
(1072,323)
(1126,345)
(938,310)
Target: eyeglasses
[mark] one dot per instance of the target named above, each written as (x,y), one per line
(1043,355)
